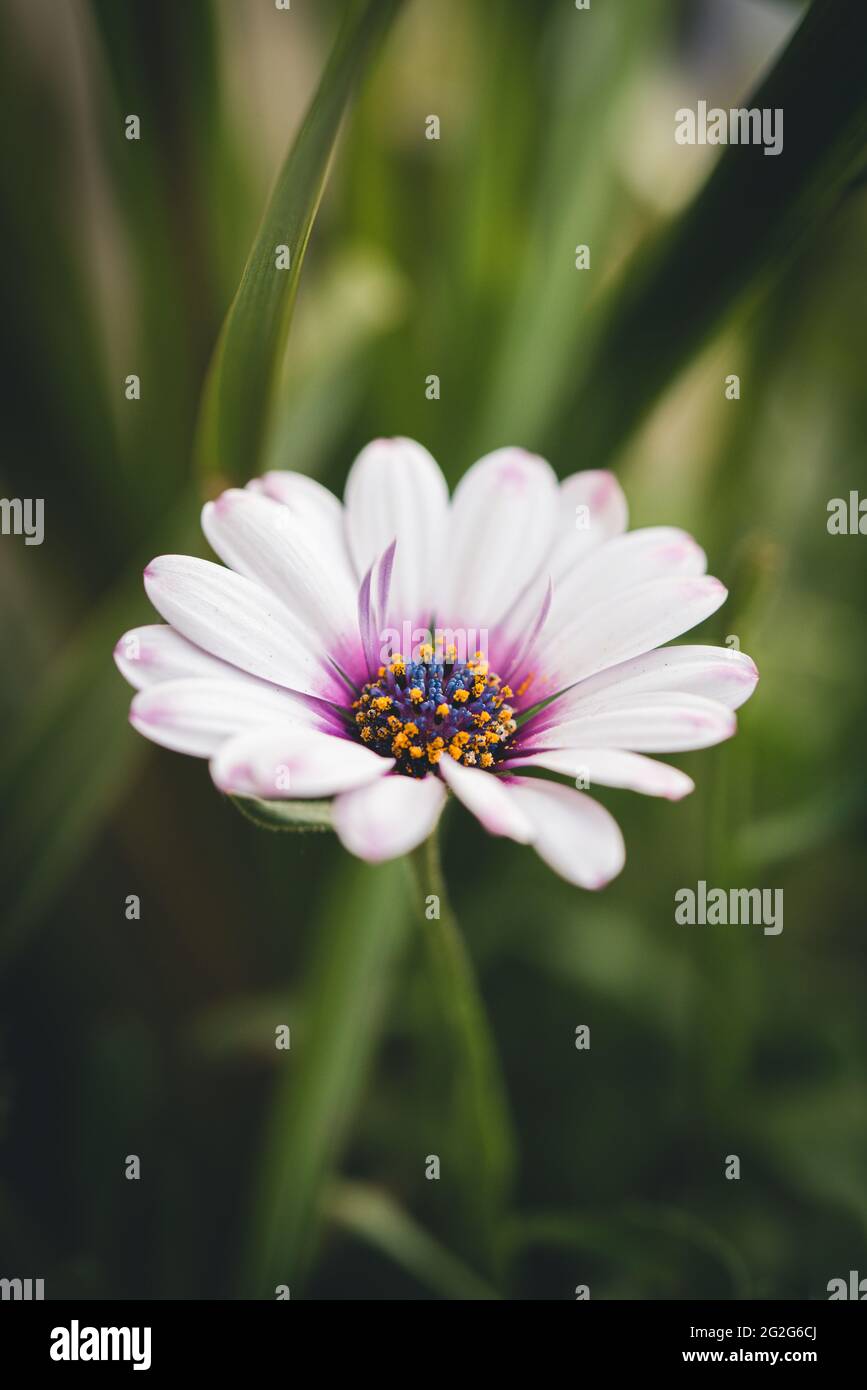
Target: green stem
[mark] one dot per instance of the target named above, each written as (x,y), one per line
(482,1118)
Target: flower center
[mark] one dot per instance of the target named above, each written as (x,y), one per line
(415,711)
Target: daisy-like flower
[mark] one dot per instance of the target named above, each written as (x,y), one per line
(402,645)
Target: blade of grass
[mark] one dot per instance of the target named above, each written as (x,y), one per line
(246,367)
(374,1217)
(739,234)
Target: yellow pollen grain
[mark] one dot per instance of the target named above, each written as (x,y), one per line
(410,728)
(416,752)
(382,702)
(486,759)
(442,710)
(366,735)
(416,695)
(460,697)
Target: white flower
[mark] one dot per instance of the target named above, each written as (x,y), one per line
(402,645)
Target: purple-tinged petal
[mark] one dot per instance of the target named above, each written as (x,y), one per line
(388,818)
(488,799)
(282,762)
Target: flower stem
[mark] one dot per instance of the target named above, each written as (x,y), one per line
(483,1124)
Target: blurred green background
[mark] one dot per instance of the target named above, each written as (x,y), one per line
(456,258)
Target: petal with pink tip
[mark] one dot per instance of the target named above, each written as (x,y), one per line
(487,798)
(591,510)
(390,817)
(626,624)
(655,552)
(257,537)
(396,491)
(574,835)
(717,673)
(197,715)
(281,762)
(502,521)
(239,622)
(318,510)
(642,723)
(610,767)
(155,653)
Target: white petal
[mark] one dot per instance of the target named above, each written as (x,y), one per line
(236,620)
(390,817)
(488,798)
(643,723)
(611,767)
(717,673)
(573,834)
(269,543)
(282,762)
(502,521)
(654,552)
(591,509)
(148,655)
(319,512)
(198,714)
(395,491)
(626,624)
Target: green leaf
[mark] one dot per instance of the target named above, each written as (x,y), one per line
(374,1216)
(752,217)
(360,931)
(285,815)
(244,373)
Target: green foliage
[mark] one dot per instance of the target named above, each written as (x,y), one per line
(456,257)
(243,376)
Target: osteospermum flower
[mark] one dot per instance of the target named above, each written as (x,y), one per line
(402,645)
